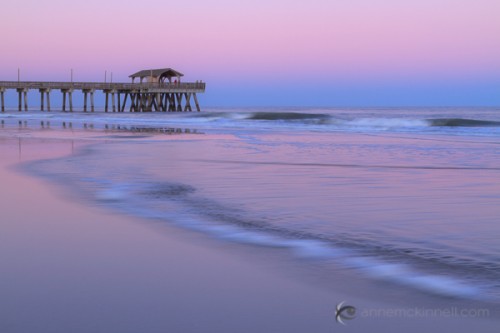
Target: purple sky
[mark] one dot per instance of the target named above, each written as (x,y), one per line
(268,52)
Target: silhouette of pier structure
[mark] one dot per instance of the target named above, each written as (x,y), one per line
(158,90)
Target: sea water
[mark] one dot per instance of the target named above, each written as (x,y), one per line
(405,195)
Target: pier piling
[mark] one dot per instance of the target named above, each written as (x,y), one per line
(2,99)
(25,93)
(64,99)
(44,92)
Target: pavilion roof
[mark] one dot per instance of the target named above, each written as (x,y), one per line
(162,72)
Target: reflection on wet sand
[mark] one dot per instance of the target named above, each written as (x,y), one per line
(88,126)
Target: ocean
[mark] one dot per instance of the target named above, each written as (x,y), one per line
(406,196)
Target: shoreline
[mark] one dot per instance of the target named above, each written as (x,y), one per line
(206,272)
(85,269)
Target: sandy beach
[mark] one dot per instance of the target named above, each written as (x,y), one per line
(69,266)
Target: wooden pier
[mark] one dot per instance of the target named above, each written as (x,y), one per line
(159,90)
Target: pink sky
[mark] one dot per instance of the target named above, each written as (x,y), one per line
(364,44)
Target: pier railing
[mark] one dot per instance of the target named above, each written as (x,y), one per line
(151,87)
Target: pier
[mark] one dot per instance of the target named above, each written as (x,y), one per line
(158,90)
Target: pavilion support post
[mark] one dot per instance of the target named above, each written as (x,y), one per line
(196,102)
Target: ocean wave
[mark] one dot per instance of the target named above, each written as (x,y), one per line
(460,122)
(386,123)
(287,116)
(228,121)
(430,272)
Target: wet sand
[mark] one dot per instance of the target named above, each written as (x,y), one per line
(67,266)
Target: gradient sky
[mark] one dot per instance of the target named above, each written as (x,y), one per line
(268,52)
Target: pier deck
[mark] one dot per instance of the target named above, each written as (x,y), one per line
(141,97)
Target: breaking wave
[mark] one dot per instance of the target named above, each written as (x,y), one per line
(372,121)
(316,120)
(459,122)
(287,116)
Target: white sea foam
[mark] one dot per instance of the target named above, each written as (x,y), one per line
(387,123)
(321,120)
(313,249)
(405,275)
(247,237)
(110,194)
